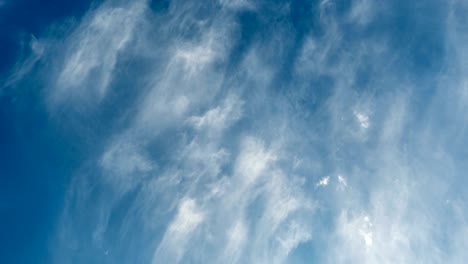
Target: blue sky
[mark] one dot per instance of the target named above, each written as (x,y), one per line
(233,131)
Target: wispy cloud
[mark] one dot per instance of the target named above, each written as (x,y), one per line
(24,67)
(92,50)
(173,245)
(221,152)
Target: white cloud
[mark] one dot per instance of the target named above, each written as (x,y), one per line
(342,184)
(237,238)
(363,119)
(125,164)
(125,158)
(365,231)
(238,4)
(179,232)
(93,49)
(362,11)
(295,235)
(24,68)
(217,119)
(324,181)
(187,219)
(252,161)
(356,231)
(195,58)
(189,81)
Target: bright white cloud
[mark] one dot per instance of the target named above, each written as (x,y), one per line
(363,120)
(324,181)
(172,247)
(357,232)
(253,160)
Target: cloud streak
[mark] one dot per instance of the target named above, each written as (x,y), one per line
(92,51)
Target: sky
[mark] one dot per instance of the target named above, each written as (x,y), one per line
(233,131)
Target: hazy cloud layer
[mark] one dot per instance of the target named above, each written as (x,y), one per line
(264,132)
